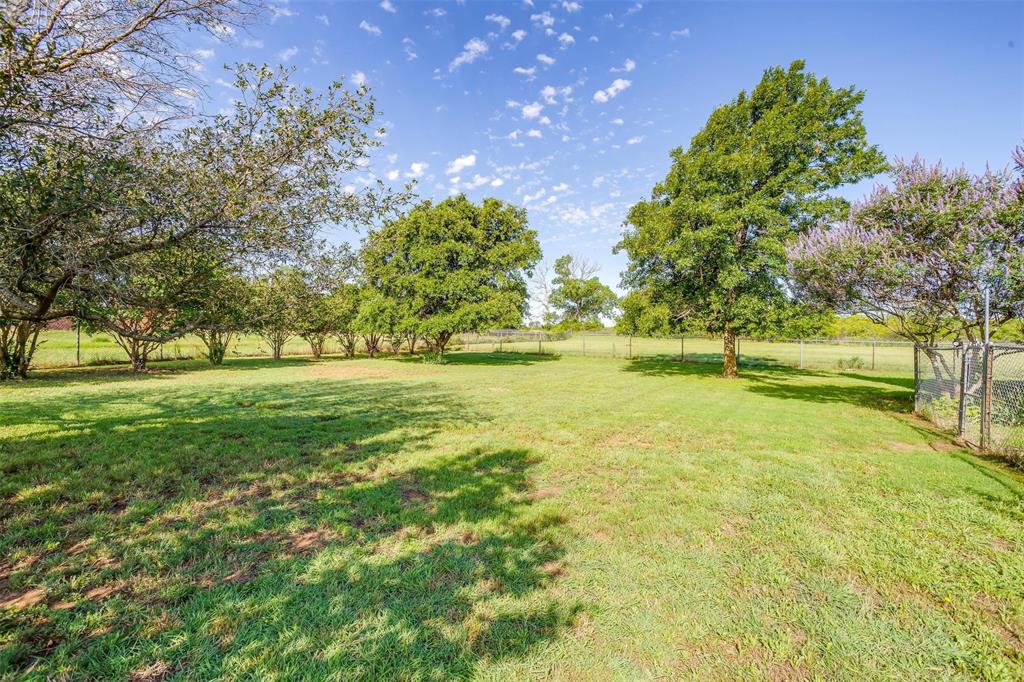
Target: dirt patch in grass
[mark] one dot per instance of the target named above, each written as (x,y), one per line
(154,672)
(22,599)
(544,493)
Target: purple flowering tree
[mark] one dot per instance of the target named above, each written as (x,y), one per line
(917,256)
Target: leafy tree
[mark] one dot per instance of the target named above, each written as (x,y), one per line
(578,296)
(344,302)
(916,258)
(226,309)
(253,184)
(710,242)
(277,302)
(377,316)
(456,266)
(323,271)
(642,317)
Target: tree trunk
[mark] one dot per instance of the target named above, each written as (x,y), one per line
(729,370)
(413,338)
(18,343)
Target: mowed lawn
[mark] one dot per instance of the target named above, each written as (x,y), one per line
(498,517)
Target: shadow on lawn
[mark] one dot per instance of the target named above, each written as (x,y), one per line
(495,358)
(787,383)
(267,532)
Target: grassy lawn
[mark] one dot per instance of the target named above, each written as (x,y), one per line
(499,517)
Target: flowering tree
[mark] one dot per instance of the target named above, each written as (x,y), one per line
(917,257)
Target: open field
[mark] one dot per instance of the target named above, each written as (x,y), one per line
(503,516)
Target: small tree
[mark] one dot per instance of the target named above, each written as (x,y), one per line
(917,257)
(226,310)
(376,319)
(276,301)
(456,266)
(710,242)
(578,296)
(322,272)
(344,302)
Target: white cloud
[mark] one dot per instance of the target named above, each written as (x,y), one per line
(550,200)
(560,187)
(349,189)
(359,78)
(416,169)
(437,12)
(473,49)
(571,7)
(529,73)
(543,19)
(500,20)
(598,181)
(392,158)
(223,30)
(536,195)
(635,140)
(617,86)
(681,33)
(387,6)
(497,182)
(617,121)
(463,162)
(544,59)
(518,35)
(544,120)
(477,181)
(276,12)
(549,92)
(393,175)
(534,133)
(626,67)
(532,110)
(322,18)
(370,28)
(286,55)
(203,54)
(566,40)
(249,42)
(408,45)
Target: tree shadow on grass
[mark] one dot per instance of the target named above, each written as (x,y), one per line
(271,530)
(787,383)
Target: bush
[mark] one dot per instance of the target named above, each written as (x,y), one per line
(852,362)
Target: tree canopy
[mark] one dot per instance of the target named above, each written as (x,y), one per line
(578,297)
(454,266)
(710,243)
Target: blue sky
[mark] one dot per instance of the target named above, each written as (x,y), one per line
(570,108)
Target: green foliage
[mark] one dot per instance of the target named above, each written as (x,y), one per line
(578,298)
(710,244)
(455,266)
(641,316)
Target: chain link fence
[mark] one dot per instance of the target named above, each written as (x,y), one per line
(976,389)
(894,357)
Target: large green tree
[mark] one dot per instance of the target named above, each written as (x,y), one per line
(579,298)
(455,266)
(711,241)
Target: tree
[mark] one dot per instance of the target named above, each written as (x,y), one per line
(456,266)
(344,301)
(226,310)
(323,270)
(251,185)
(93,68)
(542,292)
(376,317)
(917,257)
(710,242)
(578,296)
(642,317)
(276,301)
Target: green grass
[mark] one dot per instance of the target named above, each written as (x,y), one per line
(498,517)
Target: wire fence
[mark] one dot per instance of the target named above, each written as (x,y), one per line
(976,389)
(894,357)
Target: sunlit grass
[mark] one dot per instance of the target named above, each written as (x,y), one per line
(497,517)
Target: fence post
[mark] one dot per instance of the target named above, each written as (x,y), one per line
(872,355)
(917,378)
(682,348)
(801,353)
(540,351)
(630,346)
(78,345)
(986,398)
(965,374)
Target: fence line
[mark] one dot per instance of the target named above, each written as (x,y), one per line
(976,389)
(817,353)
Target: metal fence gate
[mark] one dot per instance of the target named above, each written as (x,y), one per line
(976,389)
